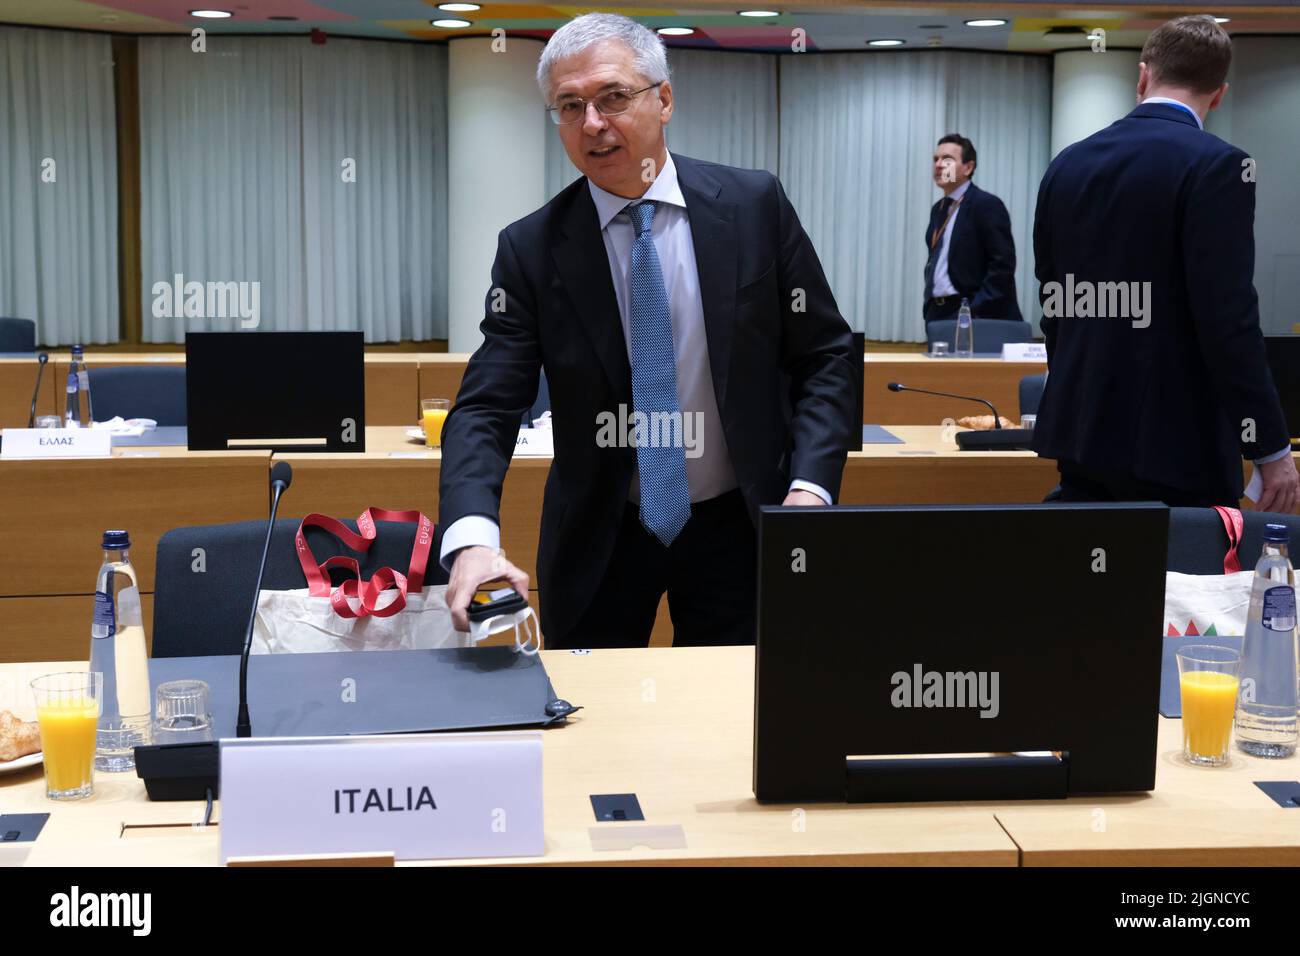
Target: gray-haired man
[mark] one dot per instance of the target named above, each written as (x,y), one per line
(698,368)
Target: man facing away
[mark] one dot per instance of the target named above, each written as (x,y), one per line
(697,364)
(970,252)
(1145,253)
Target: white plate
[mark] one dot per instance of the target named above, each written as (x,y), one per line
(415,433)
(22,763)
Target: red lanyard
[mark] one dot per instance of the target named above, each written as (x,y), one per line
(1232,524)
(368,592)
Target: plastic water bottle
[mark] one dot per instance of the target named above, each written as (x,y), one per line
(117,651)
(965,344)
(85,410)
(72,403)
(1266,704)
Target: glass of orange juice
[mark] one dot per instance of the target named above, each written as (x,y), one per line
(67,708)
(433,412)
(1208,676)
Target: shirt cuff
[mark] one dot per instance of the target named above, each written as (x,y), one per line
(1277,456)
(800,485)
(467,532)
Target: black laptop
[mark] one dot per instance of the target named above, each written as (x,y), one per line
(1022,642)
(286,391)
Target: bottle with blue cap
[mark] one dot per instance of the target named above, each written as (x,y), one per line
(117,650)
(1266,723)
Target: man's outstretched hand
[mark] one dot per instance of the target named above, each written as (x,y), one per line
(472,568)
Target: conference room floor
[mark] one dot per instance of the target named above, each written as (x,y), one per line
(675,727)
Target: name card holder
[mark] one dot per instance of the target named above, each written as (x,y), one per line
(1024,352)
(535,443)
(416,796)
(56,443)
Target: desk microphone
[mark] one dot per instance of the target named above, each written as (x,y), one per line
(997,439)
(281,478)
(41,359)
(898,387)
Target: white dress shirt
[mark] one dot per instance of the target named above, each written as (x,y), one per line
(710,474)
(1164,99)
(942,284)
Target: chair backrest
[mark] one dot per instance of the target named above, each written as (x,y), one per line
(205,612)
(17,335)
(1031,393)
(990,334)
(541,404)
(139,391)
(1197,541)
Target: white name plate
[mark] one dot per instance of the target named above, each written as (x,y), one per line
(535,443)
(56,443)
(420,796)
(1024,352)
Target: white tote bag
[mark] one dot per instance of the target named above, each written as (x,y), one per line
(391,611)
(1211,605)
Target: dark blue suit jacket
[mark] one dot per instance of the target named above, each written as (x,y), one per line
(981,255)
(782,365)
(1154,199)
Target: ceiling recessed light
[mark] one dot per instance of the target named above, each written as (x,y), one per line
(675,31)
(759,13)
(884,43)
(459,7)
(212,14)
(451,24)
(990,22)
(1223,19)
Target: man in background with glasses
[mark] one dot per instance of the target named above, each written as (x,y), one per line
(697,364)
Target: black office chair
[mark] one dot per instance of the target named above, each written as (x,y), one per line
(1031,393)
(17,335)
(990,334)
(1197,541)
(541,404)
(139,391)
(198,613)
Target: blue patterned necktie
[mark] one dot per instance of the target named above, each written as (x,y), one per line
(665,494)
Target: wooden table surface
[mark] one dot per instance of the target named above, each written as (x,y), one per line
(675,727)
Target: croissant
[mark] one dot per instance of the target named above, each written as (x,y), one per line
(983,423)
(18,738)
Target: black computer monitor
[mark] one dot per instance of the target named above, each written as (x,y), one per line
(890,632)
(1284,362)
(286,391)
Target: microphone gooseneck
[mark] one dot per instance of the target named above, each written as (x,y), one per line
(281,478)
(899,387)
(36,392)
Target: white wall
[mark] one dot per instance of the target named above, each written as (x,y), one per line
(1089,92)
(496,162)
(1261,114)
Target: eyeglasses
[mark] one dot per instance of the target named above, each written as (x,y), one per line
(610,103)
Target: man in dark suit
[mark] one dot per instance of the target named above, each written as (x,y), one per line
(1145,251)
(698,368)
(970,252)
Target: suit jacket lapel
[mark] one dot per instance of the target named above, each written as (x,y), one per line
(583,265)
(717,250)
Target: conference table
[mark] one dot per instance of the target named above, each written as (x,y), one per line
(396,381)
(57,508)
(675,727)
